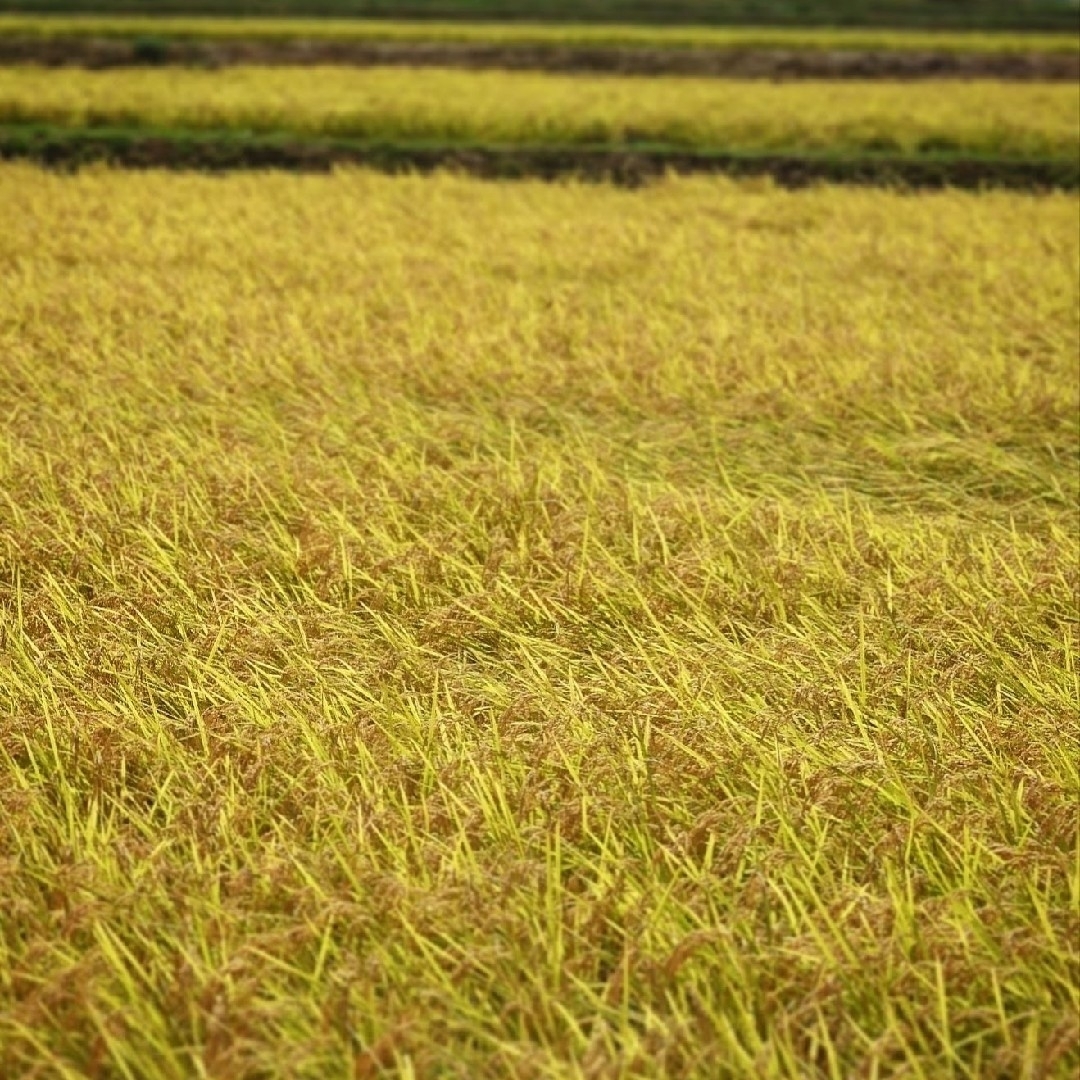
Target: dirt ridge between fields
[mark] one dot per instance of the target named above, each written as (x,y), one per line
(624,166)
(744,63)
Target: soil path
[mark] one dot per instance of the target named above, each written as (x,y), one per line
(726,63)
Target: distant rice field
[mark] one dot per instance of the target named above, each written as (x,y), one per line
(983,118)
(211,28)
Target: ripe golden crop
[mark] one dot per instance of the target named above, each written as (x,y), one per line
(535,630)
(518,107)
(256,29)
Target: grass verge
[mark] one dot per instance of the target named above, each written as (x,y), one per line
(631,166)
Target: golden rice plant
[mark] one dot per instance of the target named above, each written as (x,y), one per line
(451,629)
(525,107)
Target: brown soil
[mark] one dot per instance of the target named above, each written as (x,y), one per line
(626,167)
(730,63)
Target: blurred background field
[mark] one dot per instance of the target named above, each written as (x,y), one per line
(667,35)
(869,87)
(1057,15)
(506,108)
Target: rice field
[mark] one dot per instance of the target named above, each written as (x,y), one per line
(471,630)
(465,629)
(394,104)
(525,33)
